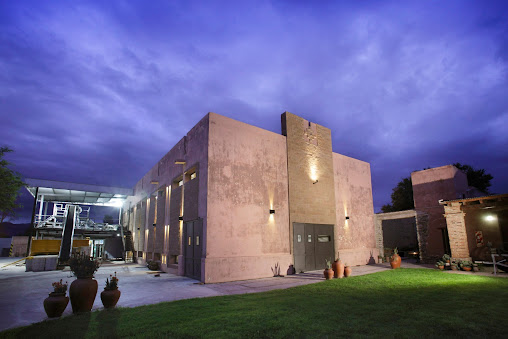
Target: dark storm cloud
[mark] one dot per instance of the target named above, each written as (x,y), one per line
(97,92)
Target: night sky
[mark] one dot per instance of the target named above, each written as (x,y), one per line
(97,92)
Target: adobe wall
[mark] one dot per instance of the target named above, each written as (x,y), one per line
(355,238)
(246,178)
(429,186)
(161,182)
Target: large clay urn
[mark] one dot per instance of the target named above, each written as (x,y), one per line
(110,297)
(55,304)
(338,269)
(395,261)
(82,293)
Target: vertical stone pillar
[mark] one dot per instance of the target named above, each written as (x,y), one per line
(457,231)
(422,233)
(378,229)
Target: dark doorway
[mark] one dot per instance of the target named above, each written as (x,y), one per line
(312,245)
(193,241)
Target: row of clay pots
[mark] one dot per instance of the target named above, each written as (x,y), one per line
(82,294)
(338,270)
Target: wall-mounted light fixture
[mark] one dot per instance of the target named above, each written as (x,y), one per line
(138,228)
(315,182)
(180,218)
(272,211)
(154,225)
(347,217)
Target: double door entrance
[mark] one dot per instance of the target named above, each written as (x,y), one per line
(312,245)
(193,245)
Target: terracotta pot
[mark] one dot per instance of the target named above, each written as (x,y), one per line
(448,261)
(347,271)
(55,304)
(395,261)
(441,267)
(338,269)
(110,298)
(466,268)
(82,293)
(328,273)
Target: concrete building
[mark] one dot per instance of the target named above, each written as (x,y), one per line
(230,201)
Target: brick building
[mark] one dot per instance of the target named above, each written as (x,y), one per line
(230,200)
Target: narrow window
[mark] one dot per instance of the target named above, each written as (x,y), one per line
(190,241)
(193,176)
(309,237)
(299,238)
(197,240)
(323,238)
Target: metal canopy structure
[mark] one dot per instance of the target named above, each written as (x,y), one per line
(74,193)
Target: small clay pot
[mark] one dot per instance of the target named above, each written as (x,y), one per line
(347,271)
(465,268)
(82,293)
(110,298)
(328,273)
(55,304)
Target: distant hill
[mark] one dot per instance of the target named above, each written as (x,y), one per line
(8,229)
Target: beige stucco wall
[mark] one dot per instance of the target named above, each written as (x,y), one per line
(193,149)
(246,178)
(355,238)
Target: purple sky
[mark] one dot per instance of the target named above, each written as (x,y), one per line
(97,92)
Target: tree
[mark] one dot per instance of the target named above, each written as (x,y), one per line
(476,178)
(402,197)
(10,183)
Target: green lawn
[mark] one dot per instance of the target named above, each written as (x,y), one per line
(396,303)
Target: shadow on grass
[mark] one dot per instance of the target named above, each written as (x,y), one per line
(58,328)
(107,323)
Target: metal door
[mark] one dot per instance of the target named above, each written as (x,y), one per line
(312,245)
(299,246)
(193,238)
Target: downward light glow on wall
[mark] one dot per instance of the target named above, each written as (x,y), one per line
(490,218)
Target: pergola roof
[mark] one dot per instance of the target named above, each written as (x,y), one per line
(476,200)
(69,192)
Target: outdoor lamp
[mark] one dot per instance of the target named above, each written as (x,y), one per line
(272,211)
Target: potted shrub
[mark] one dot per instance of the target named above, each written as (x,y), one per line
(395,259)
(328,272)
(347,270)
(153,265)
(440,264)
(466,265)
(338,268)
(446,258)
(454,266)
(55,304)
(84,289)
(111,293)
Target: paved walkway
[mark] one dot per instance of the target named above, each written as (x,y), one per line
(22,293)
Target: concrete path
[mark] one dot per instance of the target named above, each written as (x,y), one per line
(22,293)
